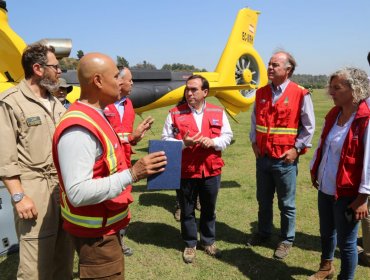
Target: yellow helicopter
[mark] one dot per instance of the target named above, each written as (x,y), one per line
(239,72)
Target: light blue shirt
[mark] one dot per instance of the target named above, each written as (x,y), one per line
(120,106)
(278,91)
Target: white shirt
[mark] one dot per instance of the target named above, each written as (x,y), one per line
(332,148)
(221,142)
(78,149)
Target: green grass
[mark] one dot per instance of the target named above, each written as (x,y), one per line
(155,235)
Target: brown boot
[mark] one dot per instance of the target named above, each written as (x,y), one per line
(326,271)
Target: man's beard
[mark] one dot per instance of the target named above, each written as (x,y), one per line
(49,85)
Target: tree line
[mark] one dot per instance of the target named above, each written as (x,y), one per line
(306,80)
(70,63)
(310,81)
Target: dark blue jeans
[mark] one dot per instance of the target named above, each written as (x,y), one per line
(276,175)
(336,229)
(208,189)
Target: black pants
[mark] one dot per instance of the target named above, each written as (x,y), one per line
(208,189)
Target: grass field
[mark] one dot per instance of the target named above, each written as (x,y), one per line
(155,235)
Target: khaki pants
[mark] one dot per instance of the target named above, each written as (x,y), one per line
(45,250)
(365,223)
(100,258)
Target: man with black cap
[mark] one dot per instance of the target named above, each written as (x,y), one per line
(62,92)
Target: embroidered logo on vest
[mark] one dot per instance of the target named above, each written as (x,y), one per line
(355,133)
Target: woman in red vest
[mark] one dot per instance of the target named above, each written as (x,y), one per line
(340,170)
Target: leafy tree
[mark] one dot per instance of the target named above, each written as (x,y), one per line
(80,54)
(122,62)
(68,63)
(310,81)
(182,67)
(145,66)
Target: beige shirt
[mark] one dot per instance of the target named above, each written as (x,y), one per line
(27,129)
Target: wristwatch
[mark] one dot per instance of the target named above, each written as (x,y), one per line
(299,150)
(16,197)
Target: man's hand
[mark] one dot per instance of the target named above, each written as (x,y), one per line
(314,182)
(150,164)
(359,206)
(256,151)
(289,156)
(191,141)
(139,132)
(26,208)
(206,142)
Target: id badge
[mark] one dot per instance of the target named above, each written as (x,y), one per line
(33,121)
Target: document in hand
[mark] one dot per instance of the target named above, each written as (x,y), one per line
(170,178)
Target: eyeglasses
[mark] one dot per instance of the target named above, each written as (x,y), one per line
(54,66)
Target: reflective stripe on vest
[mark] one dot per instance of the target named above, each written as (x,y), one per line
(82,221)
(111,156)
(117,218)
(89,222)
(277,130)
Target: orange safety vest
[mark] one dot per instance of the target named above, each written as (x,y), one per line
(198,162)
(277,124)
(107,217)
(352,155)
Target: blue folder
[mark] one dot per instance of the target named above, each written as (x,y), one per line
(170,178)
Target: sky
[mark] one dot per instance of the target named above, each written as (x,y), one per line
(322,35)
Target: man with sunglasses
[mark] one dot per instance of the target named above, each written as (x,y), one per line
(28,116)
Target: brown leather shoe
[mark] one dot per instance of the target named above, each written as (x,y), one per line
(189,254)
(363,259)
(282,250)
(212,250)
(326,271)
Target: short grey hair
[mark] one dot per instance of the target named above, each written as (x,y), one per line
(357,80)
(290,60)
(123,72)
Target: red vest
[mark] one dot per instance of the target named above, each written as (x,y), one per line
(123,127)
(198,162)
(109,216)
(277,124)
(352,155)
